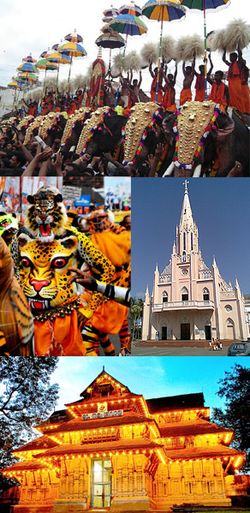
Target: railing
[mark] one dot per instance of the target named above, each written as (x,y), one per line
(165,279)
(179,305)
(205,274)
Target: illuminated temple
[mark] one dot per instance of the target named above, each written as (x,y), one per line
(113,450)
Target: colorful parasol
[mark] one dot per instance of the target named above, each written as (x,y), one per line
(28,77)
(46,65)
(74,37)
(29,58)
(27,67)
(58,58)
(111,40)
(128,24)
(163,10)
(204,5)
(72,49)
(131,8)
(109,14)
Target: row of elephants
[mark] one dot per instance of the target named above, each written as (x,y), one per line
(200,139)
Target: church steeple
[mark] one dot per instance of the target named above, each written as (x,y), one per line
(187,231)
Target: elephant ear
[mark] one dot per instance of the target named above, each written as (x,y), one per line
(140,119)
(95,119)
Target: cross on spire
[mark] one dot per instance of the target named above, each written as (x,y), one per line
(185,183)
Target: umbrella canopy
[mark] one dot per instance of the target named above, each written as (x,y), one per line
(163,10)
(110,13)
(131,8)
(14,85)
(59,58)
(27,66)
(28,77)
(129,25)
(72,49)
(204,4)
(76,38)
(29,58)
(110,40)
(46,65)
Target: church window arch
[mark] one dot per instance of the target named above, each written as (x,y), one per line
(184,294)
(184,256)
(192,241)
(165,297)
(206,295)
(230,322)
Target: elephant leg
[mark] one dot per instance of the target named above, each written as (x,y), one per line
(183,173)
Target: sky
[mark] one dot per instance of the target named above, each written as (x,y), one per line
(151,376)
(221,209)
(28,26)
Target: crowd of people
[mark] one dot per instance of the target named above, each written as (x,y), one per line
(38,159)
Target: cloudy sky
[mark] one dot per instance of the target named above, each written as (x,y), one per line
(28,26)
(151,376)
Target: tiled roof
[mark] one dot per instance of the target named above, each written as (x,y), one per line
(194,428)
(81,425)
(177,402)
(43,442)
(201,452)
(117,445)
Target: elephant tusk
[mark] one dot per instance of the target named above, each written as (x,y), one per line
(197,171)
(169,170)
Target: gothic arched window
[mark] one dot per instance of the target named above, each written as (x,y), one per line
(184,294)
(165,297)
(206,296)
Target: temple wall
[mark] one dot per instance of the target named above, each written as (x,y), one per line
(198,481)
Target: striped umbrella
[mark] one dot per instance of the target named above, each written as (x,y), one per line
(163,10)
(128,24)
(27,66)
(74,37)
(29,58)
(131,8)
(58,58)
(72,49)
(28,77)
(204,5)
(110,39)
(109,14)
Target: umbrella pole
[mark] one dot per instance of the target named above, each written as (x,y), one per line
(159,63)
(71,59)
(57,81)
(125,47)
(44,82)
(110,62)
(205,45)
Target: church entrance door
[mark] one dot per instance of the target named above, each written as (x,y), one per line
(208,332)
(164,333)
(101,483)
(185,331)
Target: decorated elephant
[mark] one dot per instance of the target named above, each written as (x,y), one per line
(207,142)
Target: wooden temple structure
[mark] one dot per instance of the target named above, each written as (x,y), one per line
(112,450)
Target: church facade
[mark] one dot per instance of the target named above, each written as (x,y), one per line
(112,450)
(191,301)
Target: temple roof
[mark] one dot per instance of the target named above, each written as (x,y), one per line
(116,445)
(24,465)
(43,442)
(194,428)
(102,374)
(176,402)
(201,452)
(81,424)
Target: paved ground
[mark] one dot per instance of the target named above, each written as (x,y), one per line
(177,348)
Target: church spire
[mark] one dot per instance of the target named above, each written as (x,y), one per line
(187,231)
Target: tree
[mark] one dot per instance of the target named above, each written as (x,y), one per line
(136,311)
(27,398)
(235,389)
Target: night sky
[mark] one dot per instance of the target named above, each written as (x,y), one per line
(221,209)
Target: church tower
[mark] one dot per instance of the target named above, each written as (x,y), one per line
(187,238)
